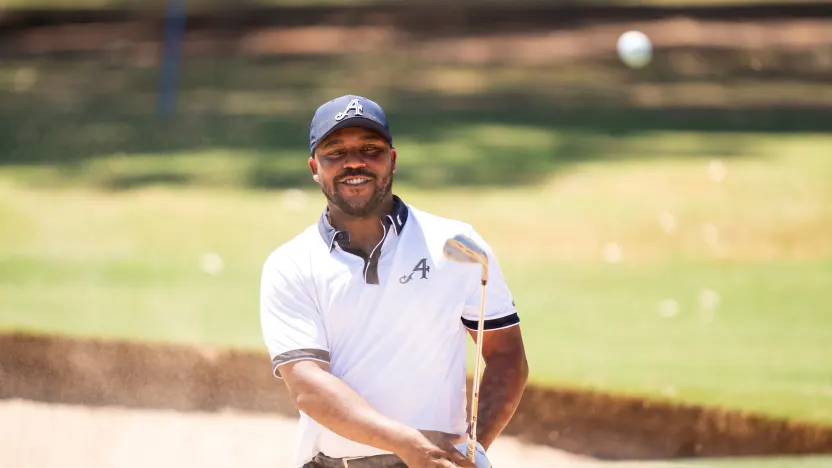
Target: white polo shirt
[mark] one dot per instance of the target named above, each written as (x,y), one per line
(392,327)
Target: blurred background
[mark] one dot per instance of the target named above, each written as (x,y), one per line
(666,231)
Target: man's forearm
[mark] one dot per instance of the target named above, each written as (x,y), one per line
(336,406)
(502,386)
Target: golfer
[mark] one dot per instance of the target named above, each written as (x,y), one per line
(366,321)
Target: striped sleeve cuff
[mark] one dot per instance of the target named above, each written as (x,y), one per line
(493,324)
(298,355)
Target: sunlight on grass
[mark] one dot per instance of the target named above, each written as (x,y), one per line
(775,207)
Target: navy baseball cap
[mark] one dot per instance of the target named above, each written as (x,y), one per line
(347,111)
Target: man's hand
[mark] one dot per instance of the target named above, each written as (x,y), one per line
(333,404)
(435,449)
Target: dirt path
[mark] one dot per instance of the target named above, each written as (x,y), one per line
(39,435)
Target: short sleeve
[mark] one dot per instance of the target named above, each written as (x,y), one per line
(500,311)
(291,323)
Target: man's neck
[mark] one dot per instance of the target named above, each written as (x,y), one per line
(366,231)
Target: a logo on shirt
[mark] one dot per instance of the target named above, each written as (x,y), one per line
(421,267)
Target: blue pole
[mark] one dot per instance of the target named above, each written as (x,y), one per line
(174,31)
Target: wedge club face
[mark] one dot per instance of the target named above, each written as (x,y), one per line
(463,249)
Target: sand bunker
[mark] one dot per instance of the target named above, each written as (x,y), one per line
(43,435)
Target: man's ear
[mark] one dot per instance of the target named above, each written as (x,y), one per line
(313,167)
(393,156)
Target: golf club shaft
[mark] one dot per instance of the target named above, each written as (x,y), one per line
(472,441)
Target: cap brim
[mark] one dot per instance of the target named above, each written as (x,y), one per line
(356,122)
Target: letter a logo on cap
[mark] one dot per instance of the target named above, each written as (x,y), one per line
(355,106)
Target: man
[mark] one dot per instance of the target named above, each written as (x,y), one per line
(365,320)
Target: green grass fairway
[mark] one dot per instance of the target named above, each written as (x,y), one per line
(762,348)
(728,304)
(792,462)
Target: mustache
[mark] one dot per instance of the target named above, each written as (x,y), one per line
(355,173)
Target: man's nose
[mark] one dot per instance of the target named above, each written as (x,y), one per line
(354,159)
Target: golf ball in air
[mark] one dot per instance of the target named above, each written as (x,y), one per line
(635,49)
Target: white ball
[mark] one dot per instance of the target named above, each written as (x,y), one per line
(635,49)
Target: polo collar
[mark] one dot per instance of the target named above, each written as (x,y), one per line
(396,220)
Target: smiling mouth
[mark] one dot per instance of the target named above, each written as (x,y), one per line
(356,181)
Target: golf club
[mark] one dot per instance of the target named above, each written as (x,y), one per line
(463,249)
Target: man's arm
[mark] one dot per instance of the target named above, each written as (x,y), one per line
(503,381)
(332,403)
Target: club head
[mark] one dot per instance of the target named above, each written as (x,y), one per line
(463,249)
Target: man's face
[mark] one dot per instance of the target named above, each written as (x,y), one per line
(354,167)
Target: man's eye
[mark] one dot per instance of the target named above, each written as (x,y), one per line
(335,154)
(371,149)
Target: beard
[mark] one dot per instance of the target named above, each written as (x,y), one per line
(381,188)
